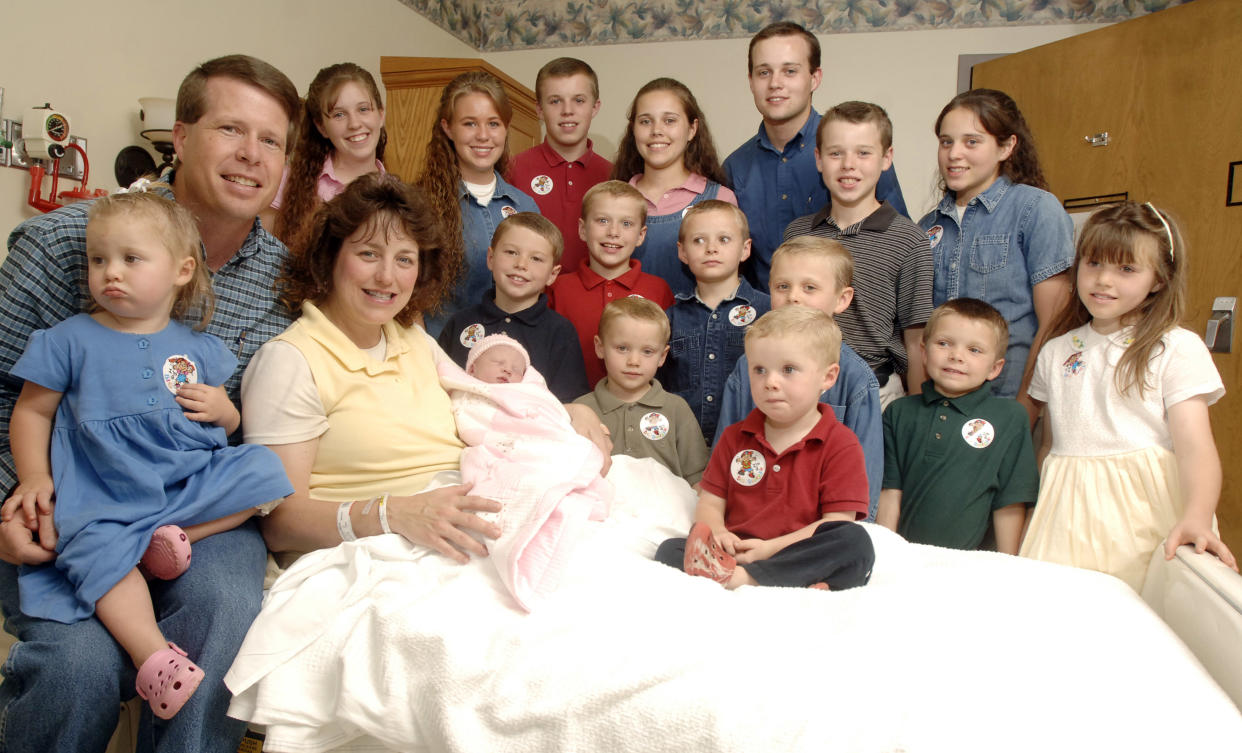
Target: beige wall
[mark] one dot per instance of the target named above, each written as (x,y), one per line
(912,74)
(95,77)
(97,82)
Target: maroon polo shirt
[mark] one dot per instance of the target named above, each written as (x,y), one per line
(557,185)
(769,494)
(581,297)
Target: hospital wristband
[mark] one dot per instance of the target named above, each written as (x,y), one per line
(383,514)
(344,525)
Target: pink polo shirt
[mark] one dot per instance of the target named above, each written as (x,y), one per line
(328,187)
(680,197)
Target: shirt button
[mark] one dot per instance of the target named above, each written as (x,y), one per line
(784,197)
(945,403)
(784,159)
(508,320)
(943,418)
(147,373)
(715,316)
(937,435)
(150,401)
(711,356)
(953,265)
(710,398)
(143,343)
(776,468)
(570,182)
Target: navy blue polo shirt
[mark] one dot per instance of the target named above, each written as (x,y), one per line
(549,338)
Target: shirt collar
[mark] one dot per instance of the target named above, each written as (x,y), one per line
(329,170)
(327,334)
(608,402)
(553,158)
(989,199)
(743,292)
(965,404)
(256,239)
(878,221)
(695,183)
(812,122)
(753,425)
(590,278)
(529,315)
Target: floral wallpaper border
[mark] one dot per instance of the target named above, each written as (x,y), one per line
(500,25)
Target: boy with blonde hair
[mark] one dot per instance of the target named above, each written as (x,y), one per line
(561,169)
(708,322)
(524,258)
(892,257)
(783,488)
(816,272)
(613,223)
(955,456)
(643,420)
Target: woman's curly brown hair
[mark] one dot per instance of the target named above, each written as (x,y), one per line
(379,204)
(301,196)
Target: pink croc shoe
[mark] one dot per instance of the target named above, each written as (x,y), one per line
(705,558)
(167,679)
(168,556)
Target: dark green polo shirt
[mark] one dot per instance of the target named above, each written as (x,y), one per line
(956,460)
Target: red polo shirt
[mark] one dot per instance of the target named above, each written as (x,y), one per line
(557,186)
(768,494)
(581,297)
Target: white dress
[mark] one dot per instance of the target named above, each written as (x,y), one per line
(1109,491)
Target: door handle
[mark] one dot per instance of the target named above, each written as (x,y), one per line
(1219,334)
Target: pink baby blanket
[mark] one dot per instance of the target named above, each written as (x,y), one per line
(524,453)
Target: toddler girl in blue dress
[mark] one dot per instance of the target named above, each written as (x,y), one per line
(123,420)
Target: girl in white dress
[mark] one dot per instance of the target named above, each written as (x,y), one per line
(1132,459)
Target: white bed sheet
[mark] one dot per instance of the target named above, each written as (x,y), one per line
(372,646)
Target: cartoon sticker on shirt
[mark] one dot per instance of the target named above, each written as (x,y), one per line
(978,433)
(934,234)
(747,467)
(541,184)
(179,370)
(507,211)
(1074,365)
(471,335)
(654,425)
(741,315)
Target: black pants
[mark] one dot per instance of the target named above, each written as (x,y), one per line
(839,553)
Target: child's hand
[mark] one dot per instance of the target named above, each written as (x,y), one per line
(208,405)
(754,550)
(1202,538)
(31,506)
(727,540)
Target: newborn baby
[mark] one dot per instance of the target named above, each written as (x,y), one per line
(524,453)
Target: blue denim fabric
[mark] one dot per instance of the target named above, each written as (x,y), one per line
(703,347)
(855,399)
(658,251)
(775,187)
(63,683)
(1011,237)
(478,223)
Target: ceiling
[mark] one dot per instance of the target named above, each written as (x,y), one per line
(499,25)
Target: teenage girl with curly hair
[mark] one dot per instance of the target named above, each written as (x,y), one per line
(466,155)
(341,137)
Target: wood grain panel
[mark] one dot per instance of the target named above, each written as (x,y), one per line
(1167,89)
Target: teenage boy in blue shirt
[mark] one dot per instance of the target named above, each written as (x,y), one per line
(773,173)
(709,322)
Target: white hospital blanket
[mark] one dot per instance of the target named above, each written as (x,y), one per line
(373,646)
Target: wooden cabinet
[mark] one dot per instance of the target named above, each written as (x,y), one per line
(414,86)
(1166,89)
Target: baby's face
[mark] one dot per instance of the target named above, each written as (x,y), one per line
(499,364)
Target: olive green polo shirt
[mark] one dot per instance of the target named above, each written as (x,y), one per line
(658,425)
(956,460)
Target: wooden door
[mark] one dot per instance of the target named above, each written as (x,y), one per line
(414,86)
(1167,88)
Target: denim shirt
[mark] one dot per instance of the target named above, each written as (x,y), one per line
(478,223)
(704,345)
(1011,238)
(658,251)
(854,398)
(776,186)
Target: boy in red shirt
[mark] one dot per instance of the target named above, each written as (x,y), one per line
(614,222)
(783,486)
